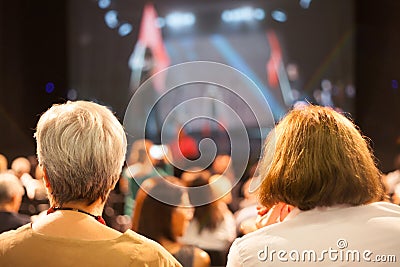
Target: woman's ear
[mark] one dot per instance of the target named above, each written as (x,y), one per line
(286,209)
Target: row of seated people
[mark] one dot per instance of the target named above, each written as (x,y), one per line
(202,237)
(215,222)
(22,192)
(159,197)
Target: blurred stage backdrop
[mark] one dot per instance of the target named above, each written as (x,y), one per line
(339,53)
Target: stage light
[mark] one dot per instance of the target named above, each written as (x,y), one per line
(178,20)
(326,85)
(111,19)
(258,14)
(226,16)
(160,22)
(395,84)
(305,3)
(72,94)
(103,4)
(350,91)
(50,87)
(242,14)
(125,29)
(279,15)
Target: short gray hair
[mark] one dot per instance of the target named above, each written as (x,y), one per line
(82,147)
(10,186)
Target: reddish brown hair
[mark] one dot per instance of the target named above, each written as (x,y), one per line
(316,157)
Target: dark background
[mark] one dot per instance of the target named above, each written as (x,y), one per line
(34,41)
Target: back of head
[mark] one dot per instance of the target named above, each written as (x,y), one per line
(221,187)
(193,173)
(316,157)
(155,207)
(221,164)
(20,166)
(139,152)
(397,162)
(3,163)
(82,147)
(208,214)
(10,186)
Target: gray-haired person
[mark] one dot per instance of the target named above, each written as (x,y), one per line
(81,147)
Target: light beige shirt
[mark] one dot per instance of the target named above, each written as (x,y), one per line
(24,247)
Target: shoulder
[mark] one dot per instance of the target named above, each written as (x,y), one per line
(147,250)
(201,258)
(11,239)
(20,232)
(384,207)
(245,250)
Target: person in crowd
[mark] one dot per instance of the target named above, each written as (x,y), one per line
(392,182)
(221,187)
(34,199)
(3,163)
(192,173)
(21,167)
(162,213)
(213,227)
(246,216)
(323,191)
(223,165)
(183,150)
(145,160)
(11,192)
(81,147)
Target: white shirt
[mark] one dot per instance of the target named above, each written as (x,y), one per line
(217,239)
(338,235)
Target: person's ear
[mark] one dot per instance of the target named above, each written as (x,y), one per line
(46,178)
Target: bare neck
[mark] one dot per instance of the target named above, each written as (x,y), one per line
(75,225)
(95,208)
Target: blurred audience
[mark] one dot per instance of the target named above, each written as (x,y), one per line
(35,197)
(11,192)
(213,227)
(183,150)
(145,160)
(247,214)
(191,174)
(223,165)
(3,163)
(392,182)
(162,213)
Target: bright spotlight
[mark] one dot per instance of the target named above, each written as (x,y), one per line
(178,20)
(111,19)
(279,15)
(305,3)
(242,14)
(160,22)
(259,14)
(103,4)
(125,29)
